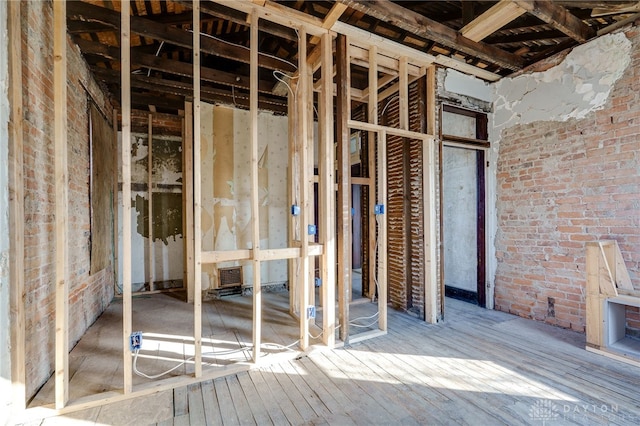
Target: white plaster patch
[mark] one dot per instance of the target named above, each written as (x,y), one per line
(463,84)
(572,89)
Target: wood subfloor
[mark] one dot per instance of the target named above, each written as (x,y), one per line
(479,367)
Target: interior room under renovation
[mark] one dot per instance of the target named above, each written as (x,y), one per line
(319,212)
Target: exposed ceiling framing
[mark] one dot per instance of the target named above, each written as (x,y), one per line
(488,38)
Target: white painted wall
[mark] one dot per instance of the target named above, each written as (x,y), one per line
(5,325)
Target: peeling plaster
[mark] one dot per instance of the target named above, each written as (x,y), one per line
(580,84)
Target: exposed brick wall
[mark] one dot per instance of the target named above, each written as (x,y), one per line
(89,295)
(560,185)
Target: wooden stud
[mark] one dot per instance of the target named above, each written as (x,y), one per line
(150,202)
(353,124)
(492,20)
(61,178)
(116,162)
(327,193)
(310,178)
(372,117)
(343,219)
(303,129)
(429,209)
(594,320)
(382,231)
(197,195)
(125,55)
(255,196)
(16,213)
(293,197)
(404,94)
(187,194)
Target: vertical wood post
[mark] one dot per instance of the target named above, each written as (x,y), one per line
(303,123)
(151,253)
(372,117)
(125,55)
(61,178)
(429,194)
(116,163)
(255,202)
(16,213)
(403,103)
(197,288)
(327,197)
(292,178)
(187,194)
(382,231)
(343,219)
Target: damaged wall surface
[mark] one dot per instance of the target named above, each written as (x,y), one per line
(567,173)
(226,186)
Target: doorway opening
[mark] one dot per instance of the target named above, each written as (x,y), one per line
(463,162)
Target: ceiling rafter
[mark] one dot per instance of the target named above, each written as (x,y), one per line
(422,26)
(492,20)
(558,17)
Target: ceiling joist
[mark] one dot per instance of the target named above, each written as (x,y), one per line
(492,20)
(559,18)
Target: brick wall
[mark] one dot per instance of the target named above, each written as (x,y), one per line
(89,295)
(560,185)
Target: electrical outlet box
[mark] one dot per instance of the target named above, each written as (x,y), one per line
(318,282)
(311,312)
(378,209)
(312,230)
(295,210)
(135,340)
(353,211)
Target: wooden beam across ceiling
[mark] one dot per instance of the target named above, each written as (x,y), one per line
(422,26)
(558,17)
(170,66)
(492,20)
(148,28)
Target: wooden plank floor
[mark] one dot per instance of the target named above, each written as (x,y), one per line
(478,367)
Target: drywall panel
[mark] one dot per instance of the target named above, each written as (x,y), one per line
(5,354)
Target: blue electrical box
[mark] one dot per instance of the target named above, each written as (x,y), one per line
(135,340)
(378,209)
(312,230)
(295,210)
(311,312)
(318,282)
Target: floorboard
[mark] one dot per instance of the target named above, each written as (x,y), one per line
(476,367)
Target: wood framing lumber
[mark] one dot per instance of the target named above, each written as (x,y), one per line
(125,54)
(496,17)
(61,190)
(382,231)
(255,196)
(429,189)
(372,117)
(422,26)
(559,18)
(343,218)
(197,193)
(403,92)
(326,206)
(150,255)
(189,200)
(16,213)
(148,28)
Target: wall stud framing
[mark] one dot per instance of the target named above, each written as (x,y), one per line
(327,193)
(372,117)
(404,94)
(151,254)
(16,214)
(429,191)
(303,129)
(61,174)
(197,194)
(382,231)
(187,194)
(343,219)
(255,201)
(125,55)
(116,162)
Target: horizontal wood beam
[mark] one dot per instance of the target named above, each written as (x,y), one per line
(148,28)
(185,90)
(559,18)
(170,66)
(422,26)
(492,20)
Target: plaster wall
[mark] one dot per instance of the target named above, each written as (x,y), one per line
(5,336)
(226,188)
